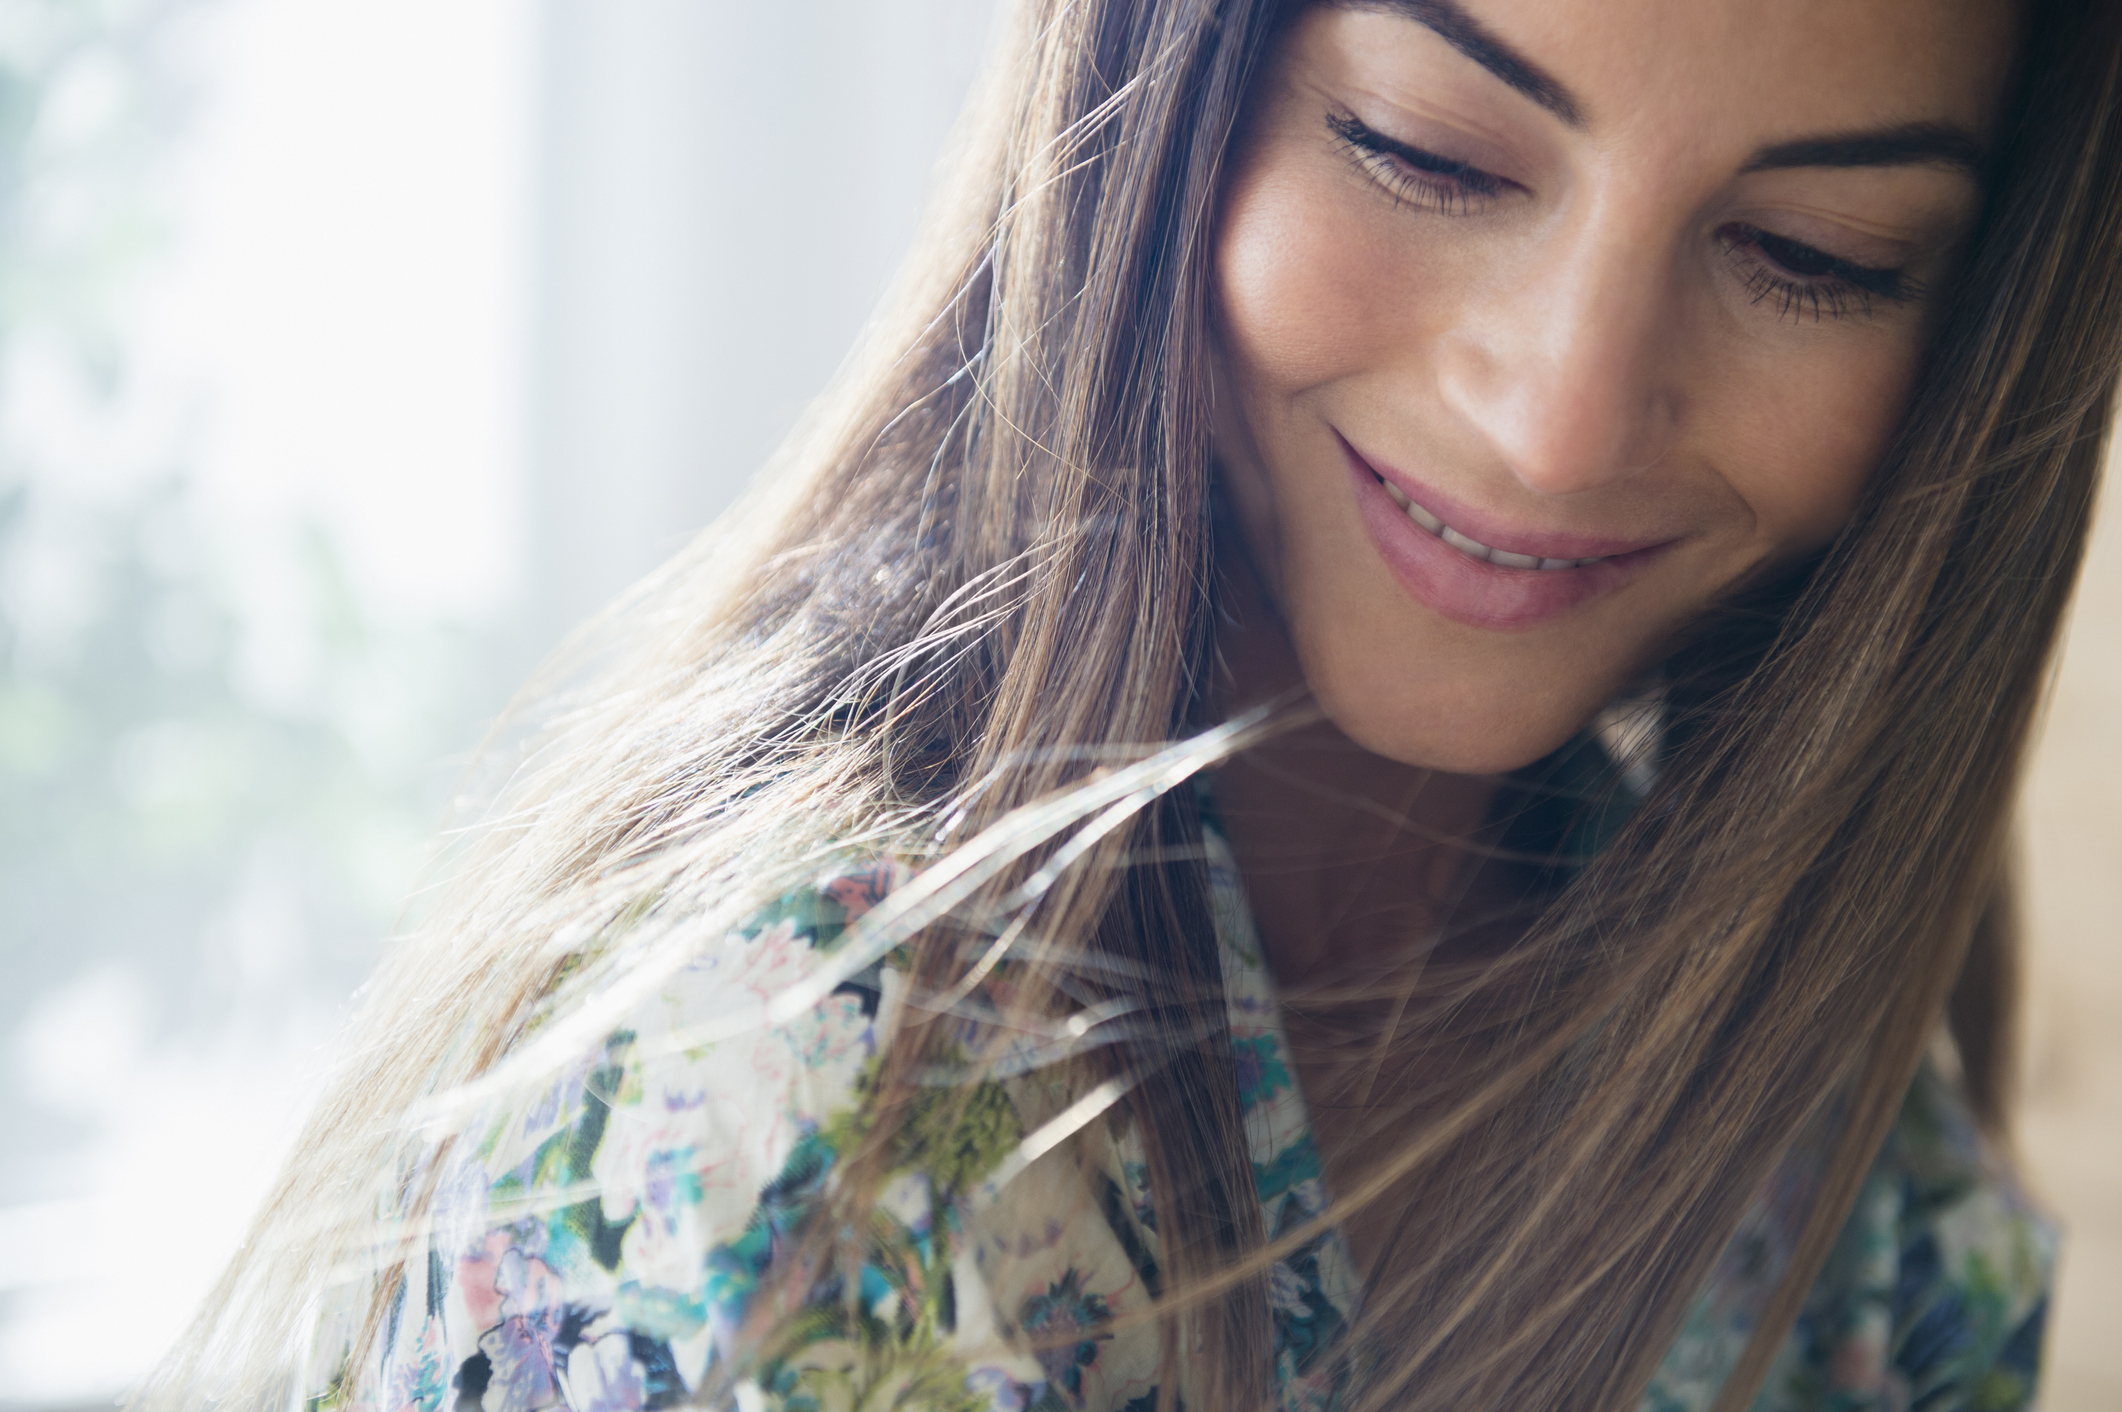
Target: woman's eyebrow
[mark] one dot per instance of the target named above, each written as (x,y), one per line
(1911,144)
(1476,41)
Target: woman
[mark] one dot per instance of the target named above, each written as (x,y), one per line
(1357,766)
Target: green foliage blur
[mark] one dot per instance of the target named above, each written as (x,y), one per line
(221,820)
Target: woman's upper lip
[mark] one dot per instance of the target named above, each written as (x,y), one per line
(1487,529)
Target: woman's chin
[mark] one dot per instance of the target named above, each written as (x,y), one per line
(1452,737)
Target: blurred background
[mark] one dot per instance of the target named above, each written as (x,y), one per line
(349,355)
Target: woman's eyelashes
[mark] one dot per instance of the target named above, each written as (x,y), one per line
(1796,280)
(1413,175)
(1790,278)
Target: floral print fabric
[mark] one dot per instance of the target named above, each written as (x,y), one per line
(606,1247)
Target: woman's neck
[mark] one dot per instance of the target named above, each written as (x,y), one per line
(1355,867)
(1352,862)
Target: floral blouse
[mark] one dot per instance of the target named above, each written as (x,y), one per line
(995,1283)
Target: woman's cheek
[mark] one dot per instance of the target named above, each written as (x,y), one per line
(1810,440)
(1300,280)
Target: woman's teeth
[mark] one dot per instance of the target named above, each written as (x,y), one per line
(1473,548)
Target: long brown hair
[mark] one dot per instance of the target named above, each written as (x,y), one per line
(968,610)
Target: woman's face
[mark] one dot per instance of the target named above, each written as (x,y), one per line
(1543,324)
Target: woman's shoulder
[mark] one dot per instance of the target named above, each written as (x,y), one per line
(1935,1294)
(594,1242)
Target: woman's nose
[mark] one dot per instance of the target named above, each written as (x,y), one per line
(1568,375)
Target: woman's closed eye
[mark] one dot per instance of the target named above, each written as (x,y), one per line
(1415,176)
(1790,278)
(1797,280)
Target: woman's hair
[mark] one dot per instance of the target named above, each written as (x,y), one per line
(966,618)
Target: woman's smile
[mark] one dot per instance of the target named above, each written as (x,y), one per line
(1486,574)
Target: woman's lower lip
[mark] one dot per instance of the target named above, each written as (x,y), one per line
(1468,590)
